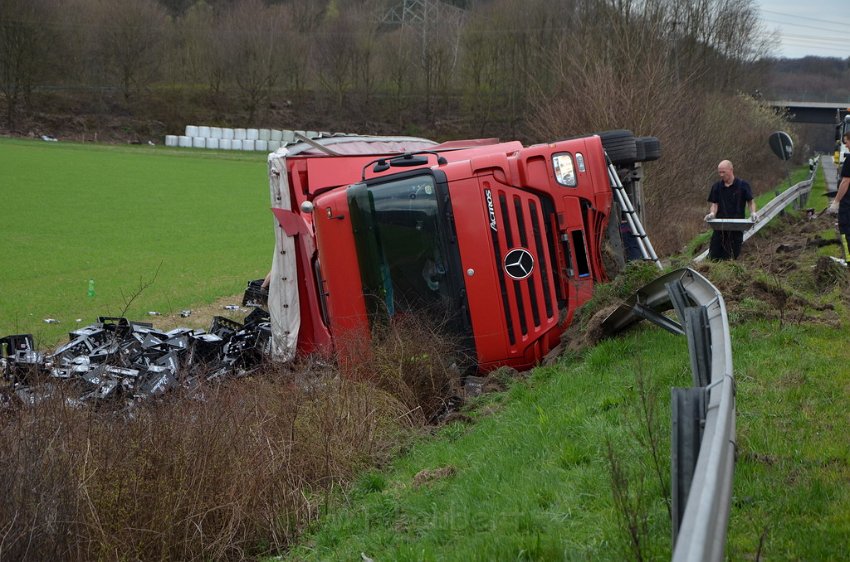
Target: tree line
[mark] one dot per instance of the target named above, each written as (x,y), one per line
(494,54)
(810,79)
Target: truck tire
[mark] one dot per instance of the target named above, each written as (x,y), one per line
(651,148)
(620,146)
(640,152)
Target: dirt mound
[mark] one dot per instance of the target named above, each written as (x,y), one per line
(582,335)
(785,273)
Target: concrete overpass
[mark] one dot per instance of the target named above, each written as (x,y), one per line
(821,118)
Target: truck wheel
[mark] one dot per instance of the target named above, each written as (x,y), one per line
(651,148)
(640,149)
(620,146)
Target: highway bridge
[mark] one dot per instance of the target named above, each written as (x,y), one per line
(821,117)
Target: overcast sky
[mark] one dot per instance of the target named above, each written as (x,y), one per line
(808,27)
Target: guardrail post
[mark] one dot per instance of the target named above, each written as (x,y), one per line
(688,413)
(679,299)
(694,319)
(699,343)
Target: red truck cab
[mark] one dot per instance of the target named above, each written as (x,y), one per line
(503,241)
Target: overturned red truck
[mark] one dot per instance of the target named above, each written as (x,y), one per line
(504,242)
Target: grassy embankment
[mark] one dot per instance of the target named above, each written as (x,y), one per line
(563,466)
(192,225)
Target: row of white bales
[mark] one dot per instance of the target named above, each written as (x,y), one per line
(225,138)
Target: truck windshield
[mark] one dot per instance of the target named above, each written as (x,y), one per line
(404,247)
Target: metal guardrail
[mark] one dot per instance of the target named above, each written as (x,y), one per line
(775,206)
(703,435)
(703,440)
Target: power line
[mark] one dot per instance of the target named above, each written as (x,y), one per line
(830,40)
(838,42)
(812,50)
(796,25)
(824,41)
(831,21)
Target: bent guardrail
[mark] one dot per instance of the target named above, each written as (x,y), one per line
(703,440)
(774,207)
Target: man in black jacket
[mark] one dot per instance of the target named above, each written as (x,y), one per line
(728,198)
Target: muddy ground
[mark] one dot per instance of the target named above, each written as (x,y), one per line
(784,274)
(787,267)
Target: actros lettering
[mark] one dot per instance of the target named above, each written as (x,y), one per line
(490,209)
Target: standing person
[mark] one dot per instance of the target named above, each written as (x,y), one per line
(728,198)
(841,203)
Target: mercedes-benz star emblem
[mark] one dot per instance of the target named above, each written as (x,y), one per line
(519,263)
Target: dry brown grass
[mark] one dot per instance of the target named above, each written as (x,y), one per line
(413,359)
(227,471)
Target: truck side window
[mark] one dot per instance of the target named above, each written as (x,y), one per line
(565,173)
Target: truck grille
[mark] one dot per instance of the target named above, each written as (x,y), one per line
(529,304)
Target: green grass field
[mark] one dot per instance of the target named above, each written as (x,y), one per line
(195,225)
(531,478)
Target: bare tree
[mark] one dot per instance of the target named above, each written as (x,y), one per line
(509,49)
(307,15)
(335,58)
(253,33)
(479,68)
(440,43)
(25,40)
(296,53)
(196,28)
(177,8)
(397,65)
(129,38)
(717,38)
(205,56)
(365,69)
